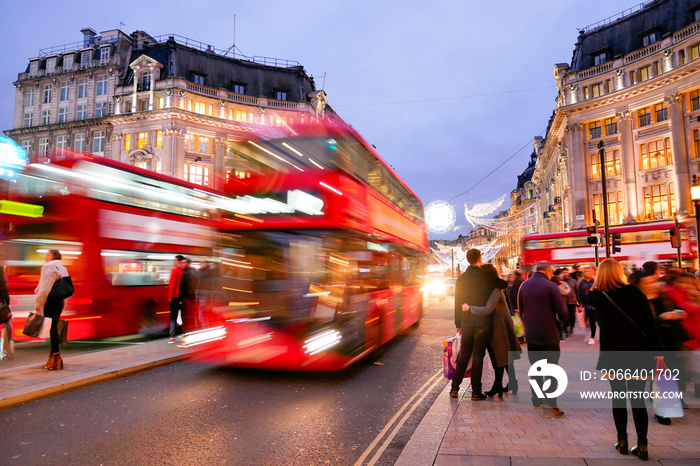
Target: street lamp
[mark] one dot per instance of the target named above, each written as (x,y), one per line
(695,196)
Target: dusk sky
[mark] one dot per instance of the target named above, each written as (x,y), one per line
(446,91)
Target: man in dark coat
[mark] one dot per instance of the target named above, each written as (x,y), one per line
(540,303)
(188,295)
(513,289)
(473,287)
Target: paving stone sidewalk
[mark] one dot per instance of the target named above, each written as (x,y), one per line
(23,383)
(510,431)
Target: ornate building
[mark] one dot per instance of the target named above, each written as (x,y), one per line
(168,103)
(633,85)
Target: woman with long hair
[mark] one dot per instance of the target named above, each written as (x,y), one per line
(503,338)
(47,306)
(626,324)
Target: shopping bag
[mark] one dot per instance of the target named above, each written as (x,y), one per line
(62,289)
(32,326)
(7,344)
(456,345)
(518,326)
(448,369)
(581,318)
(62,331)
(667,401)
(5,312)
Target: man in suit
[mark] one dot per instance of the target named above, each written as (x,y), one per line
(540,303)
(473,287)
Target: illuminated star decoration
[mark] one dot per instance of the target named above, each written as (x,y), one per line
(439,217)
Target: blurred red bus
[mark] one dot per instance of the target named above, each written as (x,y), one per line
(324,254)
(640,243)
(118,228)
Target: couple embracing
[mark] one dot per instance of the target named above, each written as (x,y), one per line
(483,318)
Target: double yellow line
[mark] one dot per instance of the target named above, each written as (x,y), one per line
(413,403)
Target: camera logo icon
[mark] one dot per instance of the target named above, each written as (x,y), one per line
(547,380)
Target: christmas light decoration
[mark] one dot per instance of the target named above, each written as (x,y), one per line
(439,217)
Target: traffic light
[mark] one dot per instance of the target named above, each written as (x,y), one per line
(590,230)
(675,236)
(615,243)
(593,240)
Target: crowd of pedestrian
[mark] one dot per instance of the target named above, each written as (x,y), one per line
(650,312)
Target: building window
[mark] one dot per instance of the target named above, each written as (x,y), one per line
(657,202)
(102,85)
(101,109)
(281,95)
(695,100)
(85,59)
(596,90)
(33,68)
(189,142)
(62,115)
(47,94)
(239,88)
(198,79)
(104,55)
(62,142)
(81,114)
(43,146)
(694,52)
(660,112)
(696,143)
(610,126)
(200,107)
(160,102)
(68,62)
(615,214)
(644,73)
(50,65)
(594,130)
(98,142)
(600,58)
(650,38)
(127,142)
(143,105)
(28,120)
(27,145)
(241,115)
(46,117)
(644,117)
(159,139)
(143,165)
(142,140)
(79,143)
(157,167)
(64,93)
(146,82)
(612,164)
(656,154)
(204,144)
(29,97)
(82,88)
(196,174)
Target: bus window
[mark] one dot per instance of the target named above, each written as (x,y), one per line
(139,268)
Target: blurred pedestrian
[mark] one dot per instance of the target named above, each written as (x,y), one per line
(6,337)
(626,325)
(565,292)
(513,290)
(188,295)
(584,288)
(576,272)
(473,287)
(206,289)
(51,272)
(571,301)
(174,294)
(540,305)
(503,339)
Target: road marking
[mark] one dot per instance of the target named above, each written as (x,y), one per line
(396,416)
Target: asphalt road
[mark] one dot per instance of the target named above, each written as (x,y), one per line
(189,413)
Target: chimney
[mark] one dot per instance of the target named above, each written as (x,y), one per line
(88,36)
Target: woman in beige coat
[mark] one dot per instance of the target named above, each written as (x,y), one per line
(503,338)
(52,271)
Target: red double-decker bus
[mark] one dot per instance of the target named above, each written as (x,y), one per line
(640,243)
(323,254)
(118,228)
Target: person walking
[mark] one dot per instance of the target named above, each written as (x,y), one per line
(541,304)
(513,290)
(571,301)
(174,299)
(503,339)
(584,287)
(188,296)
(51,272)
(565,291)
(473,287)
(626,325)
(6,337)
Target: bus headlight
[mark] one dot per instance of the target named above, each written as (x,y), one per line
(203,336)
(437,287)
(321,342)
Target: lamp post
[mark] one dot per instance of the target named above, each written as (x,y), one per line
(695,196)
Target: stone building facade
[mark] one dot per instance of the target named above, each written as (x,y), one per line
(168,104)
(633,85)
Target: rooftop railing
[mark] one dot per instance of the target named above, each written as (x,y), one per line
(614,18)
